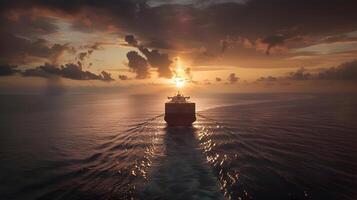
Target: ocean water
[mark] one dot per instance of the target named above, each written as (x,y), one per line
(242,146)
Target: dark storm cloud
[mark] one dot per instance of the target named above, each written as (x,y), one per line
(255,18)
(127,7)
(130,39)
(196,3)
(85,15)
(8,70)
(156,59)
(20,38)
(16,49)
(232,78)
(26,24)
(70,70)
(269,20)
(273,41)
(345,71)
(187,27)
(138,65)
(21,26)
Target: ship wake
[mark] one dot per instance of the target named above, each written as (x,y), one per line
(149,160)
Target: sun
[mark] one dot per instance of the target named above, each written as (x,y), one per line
(179,78)
(179,82)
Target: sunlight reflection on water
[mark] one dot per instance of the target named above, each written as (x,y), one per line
(253,147)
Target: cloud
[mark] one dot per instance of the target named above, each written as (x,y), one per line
(218,79)
(130,39)
(267,79)
(272,41)
(25,23)
(94,46)
(232,78)
(70,70)
(18,50)
(21,38)
(8,70)
(138,65)
(37,72)
(123,77)
(106,76)
(329,47)
(197,3)
(157,60)
(185,28)
(300,74)
(192,25)
(188,73)
(345,71)
(82,55)
(85,55)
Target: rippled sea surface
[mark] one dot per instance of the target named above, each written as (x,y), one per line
(242,146)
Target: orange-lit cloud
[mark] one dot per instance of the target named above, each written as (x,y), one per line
(215,39)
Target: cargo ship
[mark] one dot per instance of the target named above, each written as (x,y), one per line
(179,111)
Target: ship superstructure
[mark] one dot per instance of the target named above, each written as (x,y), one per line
(179,111)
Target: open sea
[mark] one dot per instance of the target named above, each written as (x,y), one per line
(242,146)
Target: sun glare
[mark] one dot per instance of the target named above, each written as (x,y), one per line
(179,78)
(179,82)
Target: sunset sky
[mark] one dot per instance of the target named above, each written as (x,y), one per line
(138,45)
